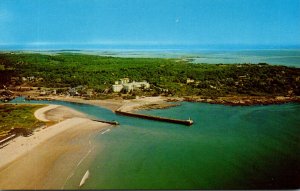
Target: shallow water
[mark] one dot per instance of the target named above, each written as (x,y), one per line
(286,57)
(254,147)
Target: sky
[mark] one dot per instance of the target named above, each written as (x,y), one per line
(156,23)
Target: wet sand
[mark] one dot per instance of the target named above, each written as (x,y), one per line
(135,104)
(47,158)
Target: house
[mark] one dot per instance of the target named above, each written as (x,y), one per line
(188,81)
(31,78)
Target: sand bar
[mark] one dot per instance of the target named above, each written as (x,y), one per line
(40,113)
(130,105)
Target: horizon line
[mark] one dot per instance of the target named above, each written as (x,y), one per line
(135,47)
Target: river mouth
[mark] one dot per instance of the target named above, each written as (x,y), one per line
(253,147)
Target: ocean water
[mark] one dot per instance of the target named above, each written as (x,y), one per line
(274,57)
(250,147)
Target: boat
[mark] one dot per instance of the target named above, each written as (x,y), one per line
(84,178)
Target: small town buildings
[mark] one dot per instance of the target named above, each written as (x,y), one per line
(73,92)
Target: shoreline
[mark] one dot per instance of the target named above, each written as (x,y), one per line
(36,161)
(162,102)
(159,102)
(40,114)
(246,100)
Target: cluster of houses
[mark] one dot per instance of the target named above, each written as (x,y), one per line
(25,79)
(76,91)
(124,84)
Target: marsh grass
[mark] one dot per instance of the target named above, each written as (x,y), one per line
(19,118)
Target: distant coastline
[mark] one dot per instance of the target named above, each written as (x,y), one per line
(275,56)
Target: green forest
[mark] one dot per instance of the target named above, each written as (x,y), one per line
(99,73)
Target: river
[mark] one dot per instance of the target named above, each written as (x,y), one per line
(240,147)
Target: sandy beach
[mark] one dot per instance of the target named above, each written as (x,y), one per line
(47,158)
(40,114)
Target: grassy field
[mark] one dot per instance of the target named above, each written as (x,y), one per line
(19,117)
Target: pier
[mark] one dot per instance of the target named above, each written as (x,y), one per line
(109,122)
(156,118)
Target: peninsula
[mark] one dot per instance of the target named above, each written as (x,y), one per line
(91,77)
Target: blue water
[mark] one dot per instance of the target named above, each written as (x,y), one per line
(286,57)
(253,147)
(275,57)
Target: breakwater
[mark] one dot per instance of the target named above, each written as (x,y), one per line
(109,122)
(156,118)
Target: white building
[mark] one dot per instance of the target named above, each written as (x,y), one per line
(188,81)
(143,84)
(117,88)
(124,84)
(122,81)
(128,87)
